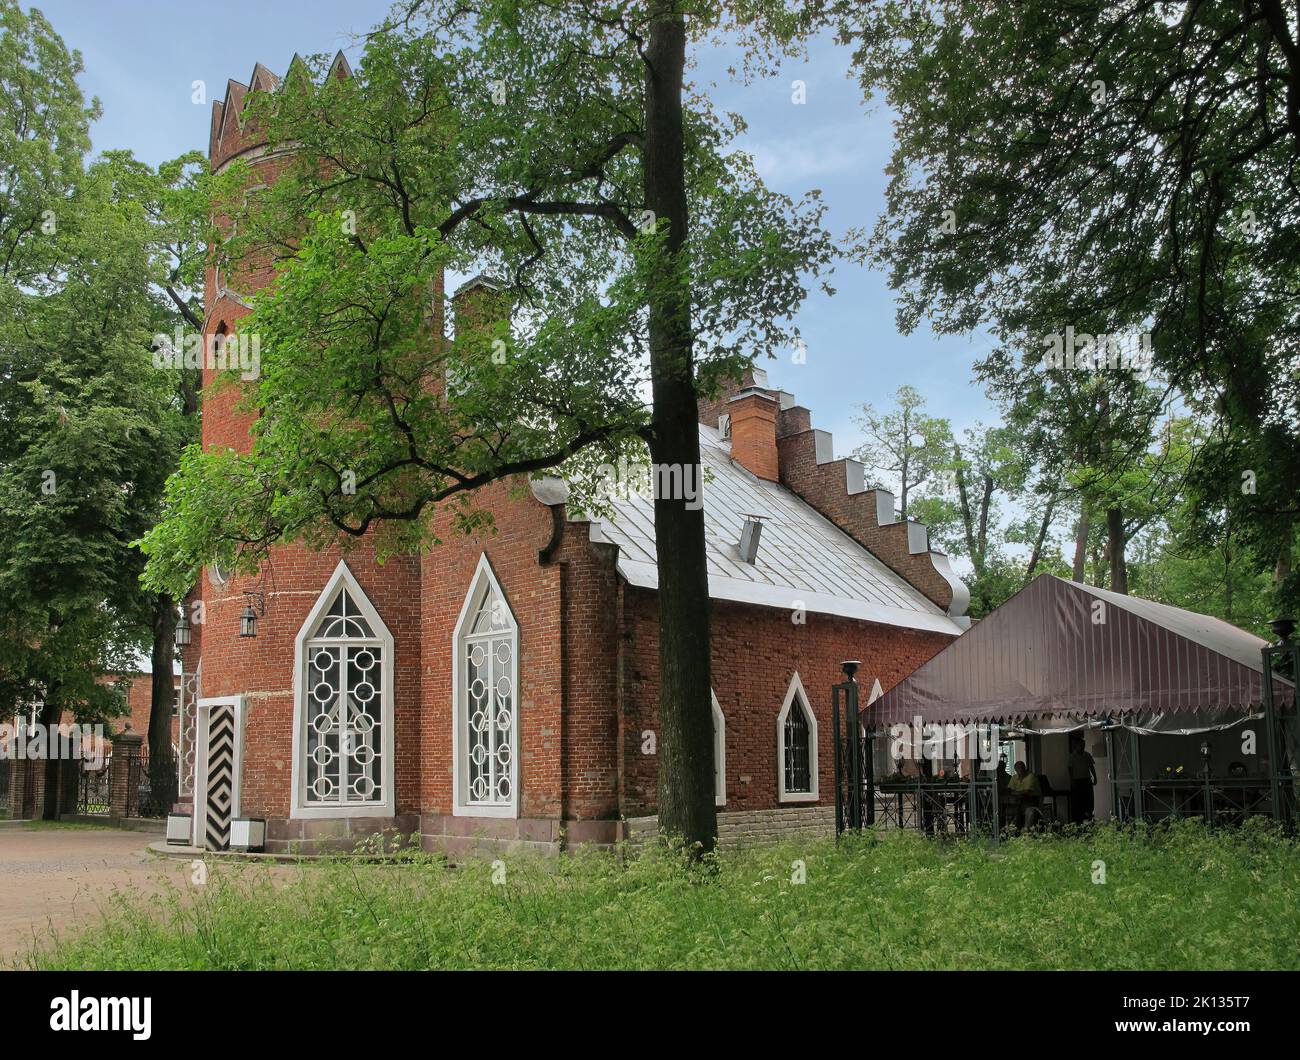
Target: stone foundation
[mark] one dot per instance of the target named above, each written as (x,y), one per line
(462,837)
(331,835)
(748,828)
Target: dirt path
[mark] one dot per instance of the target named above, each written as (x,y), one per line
(58,879)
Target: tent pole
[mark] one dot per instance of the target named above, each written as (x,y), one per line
(1139,809)
(1111,767)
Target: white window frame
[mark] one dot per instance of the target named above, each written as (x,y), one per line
(301,809)
(484,581)
(719,752)
(796,690)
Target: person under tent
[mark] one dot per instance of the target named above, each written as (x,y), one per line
(1083,778)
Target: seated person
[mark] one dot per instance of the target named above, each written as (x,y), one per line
(1026,796)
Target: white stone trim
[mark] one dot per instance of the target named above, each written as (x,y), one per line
(719,752)
(796,690)
(300,810)
(484,580)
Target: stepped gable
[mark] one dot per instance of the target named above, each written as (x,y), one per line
(770,433)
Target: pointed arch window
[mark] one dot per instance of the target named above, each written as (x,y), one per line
(486,709)
(796,747)
(343,715)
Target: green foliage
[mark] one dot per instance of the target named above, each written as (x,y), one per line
(1118,171)
(905,445)
(505,139)
(89,429)
(44,134)
(1172,898)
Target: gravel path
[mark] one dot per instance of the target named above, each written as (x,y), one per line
(58,879)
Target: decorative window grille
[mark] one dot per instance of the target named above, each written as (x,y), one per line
(487,723)
(344,725)
(345,703)
(796,750)
(796,731)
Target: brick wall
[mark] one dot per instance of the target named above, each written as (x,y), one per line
(588,644)
(756,651)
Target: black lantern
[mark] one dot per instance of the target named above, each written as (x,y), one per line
(248,622)
(183,633)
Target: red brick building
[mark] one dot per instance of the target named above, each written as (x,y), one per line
(502,688)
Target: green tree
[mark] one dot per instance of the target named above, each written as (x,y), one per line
(966,505)
(176,234)
(558,147)
(904,447)
(1121,169)
(86,432)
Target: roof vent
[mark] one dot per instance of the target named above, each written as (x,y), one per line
(724,425)
(750,533)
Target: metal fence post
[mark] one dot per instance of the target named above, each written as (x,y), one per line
(839,754)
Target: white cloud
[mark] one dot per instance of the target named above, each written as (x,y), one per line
(811,154)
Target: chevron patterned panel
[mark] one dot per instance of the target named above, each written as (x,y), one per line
(221,777)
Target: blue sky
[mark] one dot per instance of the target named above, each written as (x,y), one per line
(142,57)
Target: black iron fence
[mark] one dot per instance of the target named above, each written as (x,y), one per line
(6,786)
(152,787)
(94,788)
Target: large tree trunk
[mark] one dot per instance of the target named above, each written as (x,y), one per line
(163,683)
(685,746)
(1081,532)
(1115,550)
(51,713)
(1037,554)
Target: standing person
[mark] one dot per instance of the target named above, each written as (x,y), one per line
(1083,778)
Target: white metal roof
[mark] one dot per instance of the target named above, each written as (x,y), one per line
(803,560)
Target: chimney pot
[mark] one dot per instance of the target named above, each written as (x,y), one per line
(750,533)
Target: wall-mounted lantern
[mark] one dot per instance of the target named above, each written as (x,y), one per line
(248,620)
(184,633)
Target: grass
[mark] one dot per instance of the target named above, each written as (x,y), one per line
(1172,898)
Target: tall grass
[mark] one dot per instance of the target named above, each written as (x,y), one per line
(1172,898)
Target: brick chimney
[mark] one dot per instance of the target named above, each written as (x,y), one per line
(480,303)
(752,413)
